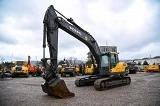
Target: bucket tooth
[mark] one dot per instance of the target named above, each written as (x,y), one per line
(57,88)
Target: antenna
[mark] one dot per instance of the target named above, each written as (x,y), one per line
(106,43)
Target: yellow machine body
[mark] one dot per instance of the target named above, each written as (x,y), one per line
(120,67)
(152,68)
(89,69)
(20,68)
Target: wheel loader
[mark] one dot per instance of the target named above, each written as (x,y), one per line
(22,68)
(19,68)
(108,73)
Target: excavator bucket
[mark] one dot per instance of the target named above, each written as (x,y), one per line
(57,88)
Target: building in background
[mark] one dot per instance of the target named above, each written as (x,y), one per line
(150,60)
(108,48)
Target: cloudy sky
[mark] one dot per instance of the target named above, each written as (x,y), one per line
(131,25)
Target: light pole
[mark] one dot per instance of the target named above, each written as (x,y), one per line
(36,60)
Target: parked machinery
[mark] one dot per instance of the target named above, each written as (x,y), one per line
(20,68)
(69,69)
(31,67)
(88,69)
(152,68)
(5,69)
(38,71)
(132,67)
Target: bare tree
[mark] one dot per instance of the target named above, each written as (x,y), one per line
(72,61)
(75,61)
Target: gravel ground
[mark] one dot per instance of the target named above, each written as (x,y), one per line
(144,90)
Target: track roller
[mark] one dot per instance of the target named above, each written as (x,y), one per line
(86,81)
(79,82)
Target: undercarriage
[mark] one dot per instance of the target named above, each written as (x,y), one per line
(103,83)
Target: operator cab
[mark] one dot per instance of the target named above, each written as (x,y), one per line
(108,61)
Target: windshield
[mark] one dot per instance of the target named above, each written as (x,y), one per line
(20,63)
(114,60)
(104,61)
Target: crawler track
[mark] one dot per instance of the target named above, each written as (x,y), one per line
(103,83)
(86,81)
(106,83)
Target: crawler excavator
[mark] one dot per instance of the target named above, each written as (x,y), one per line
(109,71)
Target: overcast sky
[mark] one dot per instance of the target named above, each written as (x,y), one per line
(131,25)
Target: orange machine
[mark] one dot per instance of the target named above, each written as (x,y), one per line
(31,68)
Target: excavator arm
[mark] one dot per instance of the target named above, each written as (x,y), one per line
(51,24)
